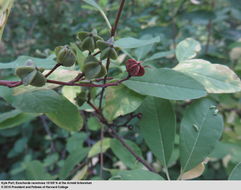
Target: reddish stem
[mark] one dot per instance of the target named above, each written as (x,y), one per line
(88,84)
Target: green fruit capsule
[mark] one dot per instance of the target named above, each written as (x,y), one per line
(91,70)
(29,77)
(57,50)
(96,37)
(105,53)
(41,69)
(113,54)
(21,72)
(39,80)
(102,45)
(88,44)
(109,52)
(102,72)
(66,57)
(82,35)
(91,59)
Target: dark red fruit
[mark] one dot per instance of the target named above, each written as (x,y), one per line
(134,68)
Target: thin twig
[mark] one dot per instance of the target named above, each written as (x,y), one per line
(209,28)
(46,128)
(114,28)
(77,78)
(88,84)
(138,158)
(115,135)
(12,84)
(53,69)
(103,90)
(98,52)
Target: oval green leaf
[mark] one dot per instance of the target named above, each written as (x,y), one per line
(66,116)
(100,146)
(120,101)
(215,78)
(201,128)
(187,49)
(158,127)
(124,155)
(47,63)
(167,84)
(129,42)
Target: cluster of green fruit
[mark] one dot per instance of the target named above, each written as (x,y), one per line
(31,75)
(65,56)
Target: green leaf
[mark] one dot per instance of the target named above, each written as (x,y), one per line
(5,9)
(124,155)
(201,128)
(66,116)
(58,109)
(236,173)
(215,78)
(94,4)
(14,118)
(159,55)
(72,160)
(129,43)
(96,148)
(38,101)
(223,149)
(36,171)
(167,84)
(47,63)
(75,141)
(187,49)
(138,174)
(141,52)
(70,92)
(94,124)
(158,127)
(120,101)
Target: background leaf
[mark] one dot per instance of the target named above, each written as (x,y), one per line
(36,171)
(94,4)
(187,49)
(129,42)
(159,55)
(72,160)
(236,173)
(5,9)
(14,118)
(124,155)
(138,174)
(46,63)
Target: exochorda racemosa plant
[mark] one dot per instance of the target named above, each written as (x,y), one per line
(140,92)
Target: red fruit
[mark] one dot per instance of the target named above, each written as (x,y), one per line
(134,68)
